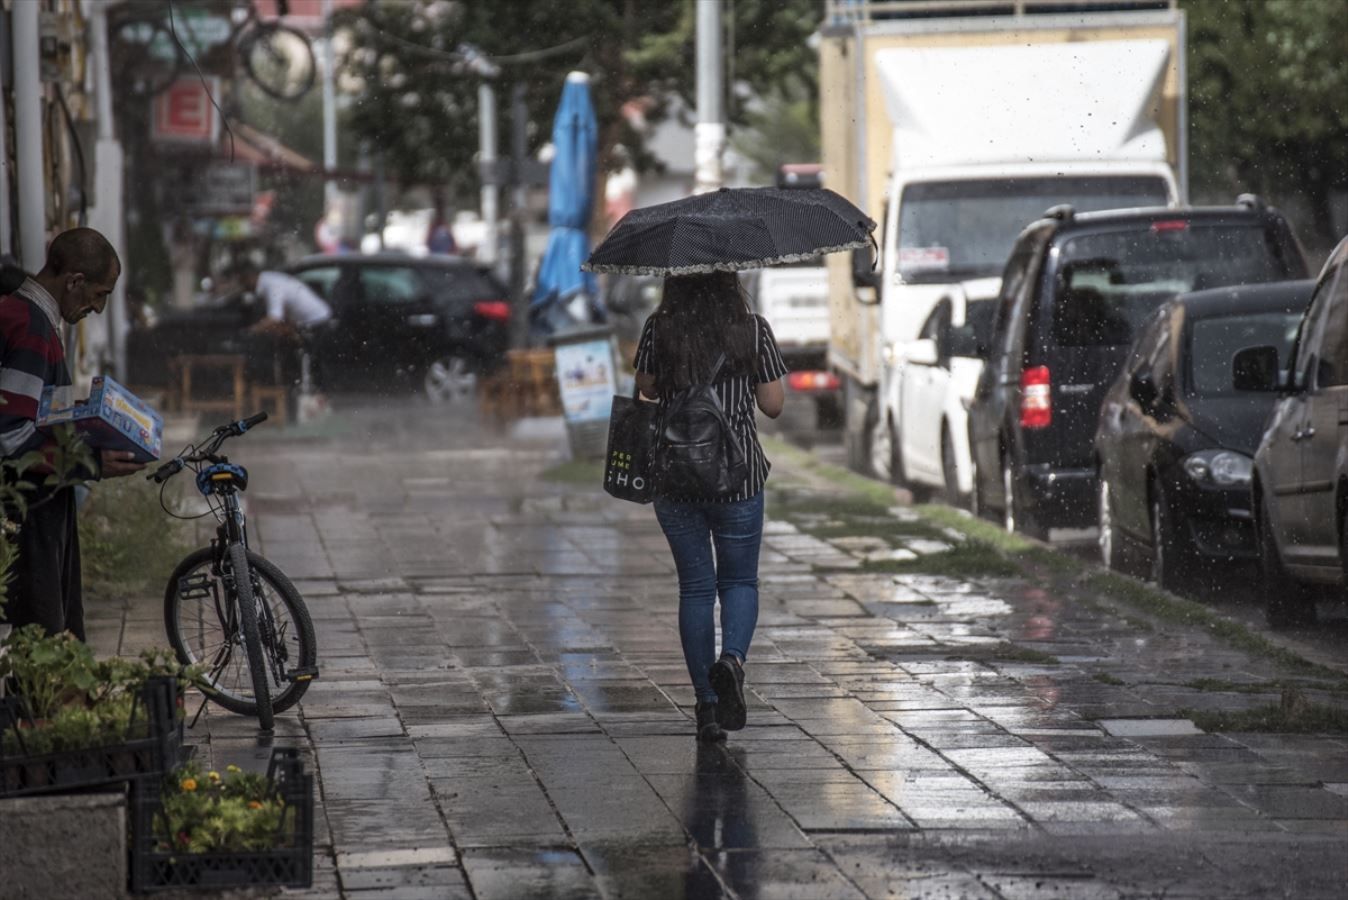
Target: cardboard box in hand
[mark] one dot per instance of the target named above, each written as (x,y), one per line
(112,418)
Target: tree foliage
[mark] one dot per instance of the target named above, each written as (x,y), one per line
(417,101)
(1268,100)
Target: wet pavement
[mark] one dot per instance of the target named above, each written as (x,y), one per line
(503,710)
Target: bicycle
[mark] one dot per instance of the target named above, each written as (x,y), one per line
(229,610)
(148,49)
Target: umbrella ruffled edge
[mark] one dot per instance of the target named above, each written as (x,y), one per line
(707,268)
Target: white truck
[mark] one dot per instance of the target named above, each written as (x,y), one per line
(794,300)
(955,126)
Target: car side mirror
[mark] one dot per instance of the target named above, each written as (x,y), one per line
(1143,389)
(922,353)
(1255,369)
(865,274)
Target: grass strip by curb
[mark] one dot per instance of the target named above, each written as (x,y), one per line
(968,559)
(1273,718)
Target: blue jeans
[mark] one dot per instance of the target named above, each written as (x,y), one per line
(735,531)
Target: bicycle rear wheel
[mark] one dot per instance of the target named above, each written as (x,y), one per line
(279,59)
(203,631)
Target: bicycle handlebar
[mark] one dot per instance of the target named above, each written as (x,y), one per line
(218,437)
(166,471)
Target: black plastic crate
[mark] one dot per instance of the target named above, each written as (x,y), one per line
(153,745)
(290,865)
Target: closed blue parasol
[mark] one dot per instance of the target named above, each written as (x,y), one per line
(570,194)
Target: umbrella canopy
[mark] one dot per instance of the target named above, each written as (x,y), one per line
(731,229)
(570,193)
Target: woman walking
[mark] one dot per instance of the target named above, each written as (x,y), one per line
(715,539)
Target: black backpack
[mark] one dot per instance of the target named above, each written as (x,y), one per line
(696,453)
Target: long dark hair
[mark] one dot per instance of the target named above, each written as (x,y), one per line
(699,318)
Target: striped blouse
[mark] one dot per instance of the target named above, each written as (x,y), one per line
(736,393)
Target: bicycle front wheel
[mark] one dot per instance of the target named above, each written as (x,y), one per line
(204,629)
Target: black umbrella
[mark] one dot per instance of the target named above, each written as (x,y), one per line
(729,230)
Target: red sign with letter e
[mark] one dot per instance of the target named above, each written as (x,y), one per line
(184,114)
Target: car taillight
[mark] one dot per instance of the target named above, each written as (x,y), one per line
(1170,225)
(812,381)
(1036,403)
(492,309)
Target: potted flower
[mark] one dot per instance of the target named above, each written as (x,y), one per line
(197,828)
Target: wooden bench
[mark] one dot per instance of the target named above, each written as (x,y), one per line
(272,398)
(525,385)
(186,372)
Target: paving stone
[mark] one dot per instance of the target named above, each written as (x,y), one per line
(448,880)
(1148,727)
(520,873)
(1292,802)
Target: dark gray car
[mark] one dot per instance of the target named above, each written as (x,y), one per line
(1300,486)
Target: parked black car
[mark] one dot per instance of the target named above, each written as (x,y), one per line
(1300,482)
(1074,294)
(436,322)
(1175,437)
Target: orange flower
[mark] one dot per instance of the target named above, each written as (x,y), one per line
(188,784)
(254,804)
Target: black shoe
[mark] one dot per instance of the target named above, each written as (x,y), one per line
(727,678)
(708,730)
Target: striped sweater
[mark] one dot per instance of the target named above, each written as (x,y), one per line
(31,357)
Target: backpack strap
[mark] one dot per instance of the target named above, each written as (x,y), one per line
(716,369)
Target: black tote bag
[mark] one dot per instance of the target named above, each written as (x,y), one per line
(631,428)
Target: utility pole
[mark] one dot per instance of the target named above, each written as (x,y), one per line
(519,126)
(710,132)
(486,117)
(108,213)
(28,129)
(329,112)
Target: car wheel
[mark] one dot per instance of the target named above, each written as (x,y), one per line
(857,440)
(1286,601)
(1172,560)
(881,460)
(449,379)
(950,470)
(1343,548)
(977,505)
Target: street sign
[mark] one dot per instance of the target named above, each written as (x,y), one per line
(184,114)
(221,189)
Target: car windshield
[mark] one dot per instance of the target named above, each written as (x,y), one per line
(965,229)
(1109,283)
(1214,342)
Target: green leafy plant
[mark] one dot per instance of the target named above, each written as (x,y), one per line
(71,700)
(49,672)
(125,546)
(206,812)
